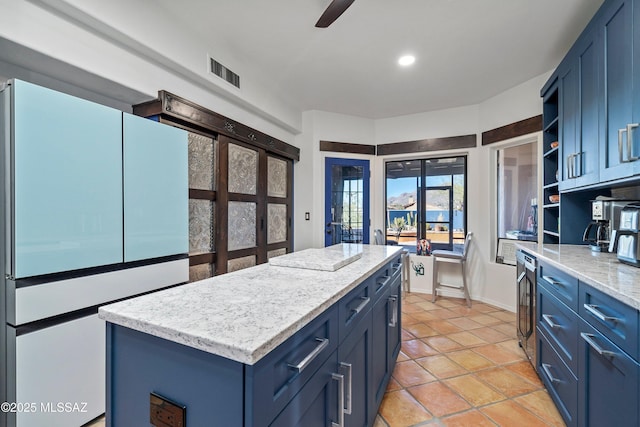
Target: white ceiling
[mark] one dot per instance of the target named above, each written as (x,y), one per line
(467,50)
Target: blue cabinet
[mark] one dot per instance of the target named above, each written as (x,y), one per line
(67,170)
(588,351)
(609,382)
(620,142)
(319,403)
(156,211)
(322,374)
(354,363)
(579,91)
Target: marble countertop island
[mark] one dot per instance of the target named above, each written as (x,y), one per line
(245,314)
(602,270)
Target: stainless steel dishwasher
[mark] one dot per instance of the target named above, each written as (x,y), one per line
(526,268)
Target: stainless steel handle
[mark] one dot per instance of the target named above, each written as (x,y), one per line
(349,406)
(577,157)
(553,281)
(620,151)
(547,318)
(394,314)
(340,379)
(630,128)
(570,166)
(593,309)
(545,368)
(384,283)
(322,344)
(521,276)
(362,305)
(602,352)
(396,269)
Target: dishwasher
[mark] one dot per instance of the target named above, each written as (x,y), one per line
(526,270)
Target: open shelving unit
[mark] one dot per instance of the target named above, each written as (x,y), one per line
(551,210)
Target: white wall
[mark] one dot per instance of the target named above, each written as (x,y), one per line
(490,282)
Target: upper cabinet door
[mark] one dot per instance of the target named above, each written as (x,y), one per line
(67,201)
(616,30)
(156,192)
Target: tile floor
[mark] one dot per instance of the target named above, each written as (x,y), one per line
(460,367)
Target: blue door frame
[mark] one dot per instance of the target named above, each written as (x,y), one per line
(343,175)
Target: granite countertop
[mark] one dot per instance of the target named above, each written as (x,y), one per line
(602,270)
(245,314)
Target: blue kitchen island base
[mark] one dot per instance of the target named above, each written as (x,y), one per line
(331,371)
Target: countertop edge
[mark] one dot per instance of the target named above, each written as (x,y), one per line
(228,350)
(603,287)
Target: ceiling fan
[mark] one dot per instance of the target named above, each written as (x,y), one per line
(333,12)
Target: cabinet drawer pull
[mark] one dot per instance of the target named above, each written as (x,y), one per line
(382,282)
(362,305)
(349,406)
(322,344)
(545,368)
(553,281)
(547,318)
(620,150)
(630,128)
(340,379)
(593,309)
(394,313)
(602,352)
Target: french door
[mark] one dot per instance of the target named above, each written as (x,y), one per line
(346,201)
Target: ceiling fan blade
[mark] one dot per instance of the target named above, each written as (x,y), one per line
(333,12)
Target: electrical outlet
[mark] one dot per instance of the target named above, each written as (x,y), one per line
(165,413)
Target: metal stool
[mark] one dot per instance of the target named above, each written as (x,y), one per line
(454,257)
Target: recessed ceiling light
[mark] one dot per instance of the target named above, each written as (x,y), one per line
(406,60)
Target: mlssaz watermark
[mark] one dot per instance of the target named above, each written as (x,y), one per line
(43,407)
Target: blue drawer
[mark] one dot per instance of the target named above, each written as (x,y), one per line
(614,319)
(273,381)
(558,379)
(560,284)
(353,307)
(560,325)
(384,279)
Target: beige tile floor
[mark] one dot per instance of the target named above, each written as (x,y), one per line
(460,367)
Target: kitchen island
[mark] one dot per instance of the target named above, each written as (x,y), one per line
(268,345)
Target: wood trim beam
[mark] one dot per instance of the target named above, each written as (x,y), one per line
(344,147)
(433,144)
(512,130)
(206,258)
(181,109)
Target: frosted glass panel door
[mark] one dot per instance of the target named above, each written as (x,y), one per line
(156,192)
(67,202)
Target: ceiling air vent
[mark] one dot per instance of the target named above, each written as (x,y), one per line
(223,72)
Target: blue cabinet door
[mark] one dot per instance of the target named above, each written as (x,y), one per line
(588,69)
(318,404)
(568,89)
(608,388)
(616,31)
(67,201)
(354,362)
(156,190)
(386,331)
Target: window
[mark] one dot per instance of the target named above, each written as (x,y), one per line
(517,192)
(426,199)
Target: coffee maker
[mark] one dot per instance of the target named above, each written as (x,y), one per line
(605,215)
(627,236)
